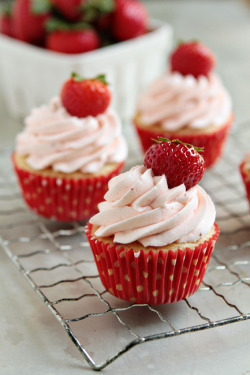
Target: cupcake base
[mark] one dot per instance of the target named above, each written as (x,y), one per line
(62,197)
(245,174)
(213,139)
(151,276)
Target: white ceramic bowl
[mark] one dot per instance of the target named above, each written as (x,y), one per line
(31,76)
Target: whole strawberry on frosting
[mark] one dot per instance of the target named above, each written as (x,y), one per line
(85,97)
(181,163)
(192,58)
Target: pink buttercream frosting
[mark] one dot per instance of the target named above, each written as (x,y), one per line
(53,138)
(175,101)
(140,207)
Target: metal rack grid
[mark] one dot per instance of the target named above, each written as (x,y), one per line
(56,260)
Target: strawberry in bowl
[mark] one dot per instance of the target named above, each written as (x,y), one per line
(118,20)
(29,18)
(129,19)
(70,10)
(70,38)
(6,22)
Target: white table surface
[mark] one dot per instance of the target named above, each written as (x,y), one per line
(32,341)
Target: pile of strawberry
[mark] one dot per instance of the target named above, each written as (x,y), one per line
(74,26)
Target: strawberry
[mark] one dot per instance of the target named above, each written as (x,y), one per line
(85,97)
(71,38)
(6,24)
(103,23)
(192,58)
(99,13)
(29,17)
(70,9)
(129,19)
(180,162)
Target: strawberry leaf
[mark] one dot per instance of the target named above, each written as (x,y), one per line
(55,24)
(40,6)
(100,77)
(6,9)
(162,139)
(77,77)
(94,9)
(181,41)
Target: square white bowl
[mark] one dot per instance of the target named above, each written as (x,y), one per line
(31,76)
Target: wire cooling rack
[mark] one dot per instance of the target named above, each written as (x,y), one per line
(56,260)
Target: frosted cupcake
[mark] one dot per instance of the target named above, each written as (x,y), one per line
(245,174)
(155,232)
(69,150)
(188,103)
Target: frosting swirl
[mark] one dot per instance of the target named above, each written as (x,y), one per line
(140,207)
(53,138)
(175,101)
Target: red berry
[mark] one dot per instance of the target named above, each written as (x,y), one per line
(103,23)
(192,58)
(98,13)
(6,24)
(129,19)
(70,9)
(85,97)
(180,163)
(29,22)
(73,41)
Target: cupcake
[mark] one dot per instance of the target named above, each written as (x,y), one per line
(188,103)
(69,150)
(155,232)
(245,174)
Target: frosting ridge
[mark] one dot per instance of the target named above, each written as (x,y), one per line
(140,207)
(53,138)
(175,101)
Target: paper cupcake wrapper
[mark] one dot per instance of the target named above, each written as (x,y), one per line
(63,199)
(246,181)
(213,143)
(153,277)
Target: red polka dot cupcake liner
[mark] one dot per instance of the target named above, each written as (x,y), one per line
(151,277)
(63,199)
(246,181)
(213,142)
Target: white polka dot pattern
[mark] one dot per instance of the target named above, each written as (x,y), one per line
(151,277)
(64,199)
